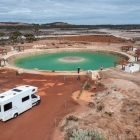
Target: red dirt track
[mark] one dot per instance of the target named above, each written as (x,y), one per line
(38,122)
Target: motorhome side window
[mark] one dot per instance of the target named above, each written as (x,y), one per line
(25,98)
(7,106)
(0,108)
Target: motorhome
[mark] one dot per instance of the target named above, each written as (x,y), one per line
(17,100)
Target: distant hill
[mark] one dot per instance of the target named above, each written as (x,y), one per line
(57,24)
(33,24)
(9,26)
(14,24)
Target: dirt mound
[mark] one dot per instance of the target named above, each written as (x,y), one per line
(115,112)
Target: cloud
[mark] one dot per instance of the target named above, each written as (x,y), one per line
(74,11)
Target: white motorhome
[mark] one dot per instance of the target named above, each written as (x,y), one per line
(17,100)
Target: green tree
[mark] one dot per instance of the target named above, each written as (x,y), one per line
(29,37)
(37,31)
(1,37)
(15,37)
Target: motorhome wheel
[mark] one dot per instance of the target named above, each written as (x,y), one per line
(15,115)
(38,102)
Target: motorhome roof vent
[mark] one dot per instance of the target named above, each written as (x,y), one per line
(17,90)
(2,96)
(14,93)
(26,86)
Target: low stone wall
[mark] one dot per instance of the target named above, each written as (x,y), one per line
(115,53)
(13,57)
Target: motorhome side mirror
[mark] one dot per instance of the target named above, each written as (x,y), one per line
(33,96)
(33,90)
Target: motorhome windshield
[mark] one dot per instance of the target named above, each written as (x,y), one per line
(33,96)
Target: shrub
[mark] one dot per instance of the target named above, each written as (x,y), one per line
(109,113)
(76,134)
(62,127)
(99,84)
(91,104)
(72,118)
(100,107)
(82,89)
(88,85)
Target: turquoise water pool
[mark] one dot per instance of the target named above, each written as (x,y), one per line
(56,61)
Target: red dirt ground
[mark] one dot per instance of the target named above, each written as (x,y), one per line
(95,38)
(38,122)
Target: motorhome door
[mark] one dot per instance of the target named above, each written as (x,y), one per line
(34,99)
(8,110)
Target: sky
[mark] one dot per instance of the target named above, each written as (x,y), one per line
(80,12)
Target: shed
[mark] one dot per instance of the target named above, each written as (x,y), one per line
(137,54)
(121,62)
(127,48)
(92,74)
(132,67)
(17,48)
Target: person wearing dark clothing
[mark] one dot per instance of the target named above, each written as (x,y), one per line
(101,68)
(78,69)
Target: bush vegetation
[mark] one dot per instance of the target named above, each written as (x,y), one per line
(76,134)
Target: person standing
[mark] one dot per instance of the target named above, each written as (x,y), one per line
(101,68)
(78,70)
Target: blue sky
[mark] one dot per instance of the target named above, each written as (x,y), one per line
(71,11)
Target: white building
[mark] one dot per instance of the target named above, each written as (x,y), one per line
(92,74)
(134,49)
(132,67)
